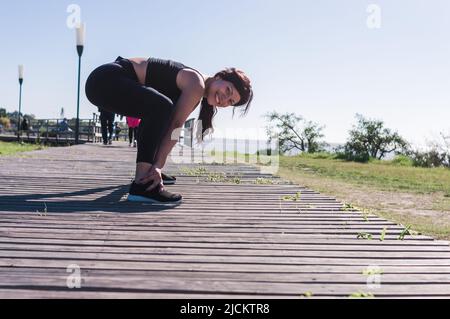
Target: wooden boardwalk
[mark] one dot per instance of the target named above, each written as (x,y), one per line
(62,207)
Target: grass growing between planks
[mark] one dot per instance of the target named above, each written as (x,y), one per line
(394,190)
(407,195)
(11,148)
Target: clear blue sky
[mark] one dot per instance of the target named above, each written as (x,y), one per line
(316,58)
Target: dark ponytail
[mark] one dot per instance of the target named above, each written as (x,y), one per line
(205,118)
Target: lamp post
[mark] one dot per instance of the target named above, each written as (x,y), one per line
(80,33)
(20,100)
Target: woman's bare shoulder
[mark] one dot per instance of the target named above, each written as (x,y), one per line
(189,77)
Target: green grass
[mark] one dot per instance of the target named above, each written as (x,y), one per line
(11,148)
(385,175)
(395,175)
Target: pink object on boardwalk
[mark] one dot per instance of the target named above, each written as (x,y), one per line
(133,122)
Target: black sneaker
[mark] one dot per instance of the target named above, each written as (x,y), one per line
(168,180)
(138,193)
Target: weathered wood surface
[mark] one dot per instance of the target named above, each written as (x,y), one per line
(66,206)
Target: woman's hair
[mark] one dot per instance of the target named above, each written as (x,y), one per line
(207,112)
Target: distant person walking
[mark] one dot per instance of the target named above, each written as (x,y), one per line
(117,130)
(107,123)
(25,128)
(133,125)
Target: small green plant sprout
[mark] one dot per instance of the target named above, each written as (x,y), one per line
(236,180)
(194,171)
(361,294)
(383,234)
(370,271)
(347,207)
(406,231)
(365,214)
(217,177)
(294,198)
(307,294)
(263,181)
(364,236)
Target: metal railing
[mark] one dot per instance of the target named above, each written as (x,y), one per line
(55,131)
(187,133)
(52,131)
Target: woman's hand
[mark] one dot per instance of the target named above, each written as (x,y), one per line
(154,176)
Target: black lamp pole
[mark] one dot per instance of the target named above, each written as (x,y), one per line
(80,47)
(77,124)
(20,100)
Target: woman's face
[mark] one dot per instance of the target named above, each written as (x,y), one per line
(222,93)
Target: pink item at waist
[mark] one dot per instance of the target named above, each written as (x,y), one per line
(133,122)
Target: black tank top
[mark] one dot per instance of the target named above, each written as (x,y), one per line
(162,76)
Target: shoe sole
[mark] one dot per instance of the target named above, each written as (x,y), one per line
(142,199)
(169,182)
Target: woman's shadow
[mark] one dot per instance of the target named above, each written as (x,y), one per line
(112,202)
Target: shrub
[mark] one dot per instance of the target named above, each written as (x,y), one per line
(402,160)
(431,158)
(318,155)
(5,122)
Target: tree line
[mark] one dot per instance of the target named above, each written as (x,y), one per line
(368,139)
(8,119)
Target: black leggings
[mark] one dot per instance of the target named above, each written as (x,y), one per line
(132,131)
(115,88)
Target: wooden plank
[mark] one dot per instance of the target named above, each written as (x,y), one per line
(379,260)
(398,254)
(120,265)
(306,246)
(221,238)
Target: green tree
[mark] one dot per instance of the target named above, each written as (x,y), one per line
(3,112)
(294,132)
(4,121)
(438,153)
(369,138)
(13,116)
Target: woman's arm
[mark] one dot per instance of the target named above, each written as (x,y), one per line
(188,100)
(192,89)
